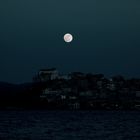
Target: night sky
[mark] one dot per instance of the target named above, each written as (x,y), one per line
(106,37)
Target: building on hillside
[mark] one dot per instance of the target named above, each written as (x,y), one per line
(65,77)
(50,95)
(46,75)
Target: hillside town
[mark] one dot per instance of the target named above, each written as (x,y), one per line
(86,91)
(50,90)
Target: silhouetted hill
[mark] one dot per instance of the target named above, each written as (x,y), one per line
(16,95)
(6,84)
(7,88)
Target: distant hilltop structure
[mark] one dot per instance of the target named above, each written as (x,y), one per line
(45,75)
(48,74)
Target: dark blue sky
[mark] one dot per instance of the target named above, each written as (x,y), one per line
(106,37)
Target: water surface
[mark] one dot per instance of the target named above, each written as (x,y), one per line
(70,125)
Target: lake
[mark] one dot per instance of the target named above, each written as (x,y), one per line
(69,125)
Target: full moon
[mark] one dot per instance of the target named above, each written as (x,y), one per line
(68,37)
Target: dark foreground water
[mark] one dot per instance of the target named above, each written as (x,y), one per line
(70,125)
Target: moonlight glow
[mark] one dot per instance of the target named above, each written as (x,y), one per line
(68,37)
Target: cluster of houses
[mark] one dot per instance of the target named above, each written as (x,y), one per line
(87,91)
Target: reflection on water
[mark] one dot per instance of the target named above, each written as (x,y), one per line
(70,125)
